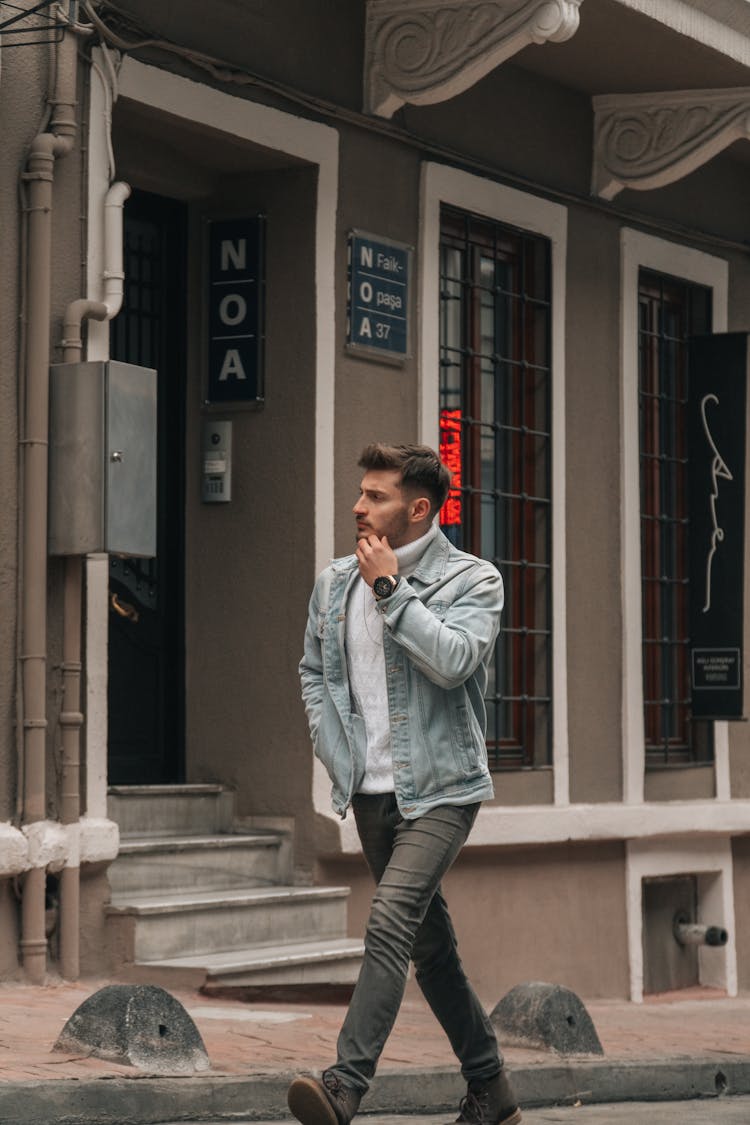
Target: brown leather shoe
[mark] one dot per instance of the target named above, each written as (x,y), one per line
(324,1102)
(490,1103)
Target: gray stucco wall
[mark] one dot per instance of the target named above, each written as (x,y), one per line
(68,284)
(249,562)
(545,138)
(314,45)
(517,123)
(593,423)
(25,75)
(374,401)
(741,869)
(562,899)
(537,135)
(20,112)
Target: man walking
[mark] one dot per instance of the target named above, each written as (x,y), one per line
(393,679)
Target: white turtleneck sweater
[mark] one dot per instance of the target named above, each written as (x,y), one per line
(366,664)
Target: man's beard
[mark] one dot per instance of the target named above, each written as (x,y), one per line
(396,531)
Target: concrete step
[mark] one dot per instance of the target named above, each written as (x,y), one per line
(158,926)
(199,902)
(295,964)
(149,864)
(170,810)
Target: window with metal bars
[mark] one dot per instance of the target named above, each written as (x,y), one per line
(670,311)
(495,423)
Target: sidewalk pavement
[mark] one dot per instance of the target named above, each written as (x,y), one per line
(680,1045)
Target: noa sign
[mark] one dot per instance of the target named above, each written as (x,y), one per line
(378,312)
(236,286)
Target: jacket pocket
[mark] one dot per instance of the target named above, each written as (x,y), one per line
(464,740)
(330,743)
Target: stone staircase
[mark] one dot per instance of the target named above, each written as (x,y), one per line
(199,903)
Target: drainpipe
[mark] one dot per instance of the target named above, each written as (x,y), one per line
(71,718)
(39,175)
(71,721)
(82,309)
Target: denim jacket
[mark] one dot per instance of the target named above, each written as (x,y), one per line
(439,631)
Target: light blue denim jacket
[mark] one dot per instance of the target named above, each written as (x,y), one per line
(439,630)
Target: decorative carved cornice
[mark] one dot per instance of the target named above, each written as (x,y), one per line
(425,51)
(646,141)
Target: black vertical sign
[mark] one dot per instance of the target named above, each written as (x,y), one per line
(716,476)
(235,311)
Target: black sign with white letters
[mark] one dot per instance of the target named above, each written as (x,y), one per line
(378,311)
(235,313)
(716,477)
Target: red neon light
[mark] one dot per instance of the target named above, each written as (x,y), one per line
(451,513)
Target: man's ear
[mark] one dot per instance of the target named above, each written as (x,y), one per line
(420,509)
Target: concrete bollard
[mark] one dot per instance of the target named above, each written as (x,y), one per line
(137,1025)
(545,1016)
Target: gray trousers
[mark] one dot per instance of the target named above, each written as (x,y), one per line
(409,920)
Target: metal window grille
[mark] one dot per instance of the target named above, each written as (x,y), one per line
(670,311)
(495,422)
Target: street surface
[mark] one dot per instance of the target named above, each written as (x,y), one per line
(719,1111)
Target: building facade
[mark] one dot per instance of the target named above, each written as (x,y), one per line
(491,226)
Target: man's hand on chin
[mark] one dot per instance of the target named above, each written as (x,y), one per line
(375,557)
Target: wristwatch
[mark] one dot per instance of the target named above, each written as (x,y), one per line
(384,586)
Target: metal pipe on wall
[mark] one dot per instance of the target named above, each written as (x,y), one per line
(45,149)
(71,719)
(113,276)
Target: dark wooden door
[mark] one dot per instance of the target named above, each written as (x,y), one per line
(146,596)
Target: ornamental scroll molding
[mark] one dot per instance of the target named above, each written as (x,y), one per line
(645,141)
(426,51)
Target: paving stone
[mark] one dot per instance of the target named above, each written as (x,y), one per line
(699,1023)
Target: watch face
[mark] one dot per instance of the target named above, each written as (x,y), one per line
(382,587)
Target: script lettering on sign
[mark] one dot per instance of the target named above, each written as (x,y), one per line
(719,471)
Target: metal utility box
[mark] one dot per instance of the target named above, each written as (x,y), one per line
(102,459)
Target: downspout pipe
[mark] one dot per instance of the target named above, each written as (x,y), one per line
(71,718)
(113,277)
(71,721)
(45,149)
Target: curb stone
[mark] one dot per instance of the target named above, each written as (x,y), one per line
(147,1100)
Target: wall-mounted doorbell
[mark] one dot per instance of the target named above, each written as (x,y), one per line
(216,462)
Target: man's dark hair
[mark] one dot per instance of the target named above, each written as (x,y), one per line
(422,471)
